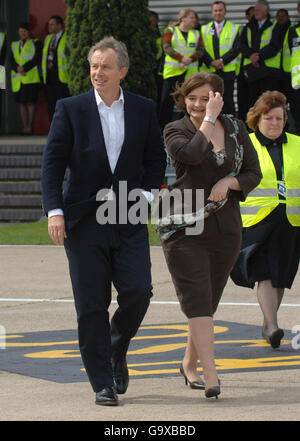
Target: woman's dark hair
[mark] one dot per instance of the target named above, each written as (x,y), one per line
(197,79)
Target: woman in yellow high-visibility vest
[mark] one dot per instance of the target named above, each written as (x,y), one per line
(271,213)
(182,46)
(25,76)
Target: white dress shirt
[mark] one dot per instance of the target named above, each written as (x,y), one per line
(219,24)
(112,122)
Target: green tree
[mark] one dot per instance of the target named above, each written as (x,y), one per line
(88,21)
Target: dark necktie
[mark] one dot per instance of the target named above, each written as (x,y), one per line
(51,52)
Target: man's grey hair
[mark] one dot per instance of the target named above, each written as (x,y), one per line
(111,43)
(263,3)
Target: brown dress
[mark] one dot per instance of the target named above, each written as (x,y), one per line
(200,265)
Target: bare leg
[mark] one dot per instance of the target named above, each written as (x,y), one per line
(202,333)
(190,360)
(30,112)
(24,115)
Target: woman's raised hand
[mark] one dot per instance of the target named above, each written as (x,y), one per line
(214,104)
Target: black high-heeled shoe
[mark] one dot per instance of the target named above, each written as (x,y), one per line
(192,384)
(213,392)
(273,339)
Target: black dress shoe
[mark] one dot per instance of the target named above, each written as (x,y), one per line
(107,397)
(121,375)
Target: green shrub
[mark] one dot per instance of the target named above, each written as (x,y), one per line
(88,21)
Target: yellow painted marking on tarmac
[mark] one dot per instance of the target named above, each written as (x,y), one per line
(50,343)
(232,363)
(217,329)
(251,343)
(11,336)
(156,349)
(63,353)
(221,364)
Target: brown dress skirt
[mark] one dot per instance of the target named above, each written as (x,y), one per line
(200,266)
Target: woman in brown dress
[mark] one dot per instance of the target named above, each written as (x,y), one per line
(212,152)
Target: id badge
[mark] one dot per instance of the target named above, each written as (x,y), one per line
(281,189)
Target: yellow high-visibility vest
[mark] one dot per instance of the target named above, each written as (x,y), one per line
(286,53)
(226,40)
(295,63)
(261,201)
(266,36)
(187,48)
(62,64)
(21,57)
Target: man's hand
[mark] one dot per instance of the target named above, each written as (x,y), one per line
(217,64)
(255,59)
(57,229)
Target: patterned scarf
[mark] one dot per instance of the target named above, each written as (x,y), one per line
(168,225)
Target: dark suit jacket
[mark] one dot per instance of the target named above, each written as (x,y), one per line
(76,142)
(196,167)
(268,51)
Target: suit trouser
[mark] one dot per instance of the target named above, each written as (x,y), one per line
(56,91)
(228,96)
(100,255)
(167,102)
(258,87)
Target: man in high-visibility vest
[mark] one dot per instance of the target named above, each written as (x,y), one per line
(25,76)
(221,42)
(2,68)
(261,42)
(182,46)
(294,45)
(54,63)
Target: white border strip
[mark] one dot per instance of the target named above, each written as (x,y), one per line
(154,302)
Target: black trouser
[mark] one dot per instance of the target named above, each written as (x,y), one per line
(242,96)
(257,88)
(228,106)
(100,255)
(167,102)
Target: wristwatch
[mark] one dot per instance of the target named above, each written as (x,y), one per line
(209,119)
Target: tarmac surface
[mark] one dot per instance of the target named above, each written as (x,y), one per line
(42,377)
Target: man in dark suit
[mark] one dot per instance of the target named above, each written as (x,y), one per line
(261,43)
(108,138)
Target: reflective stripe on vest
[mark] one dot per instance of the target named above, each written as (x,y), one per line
(185,48)
(226,40)
(264,198)
(295,62)
(62,64)
(27,53)
(265,40)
